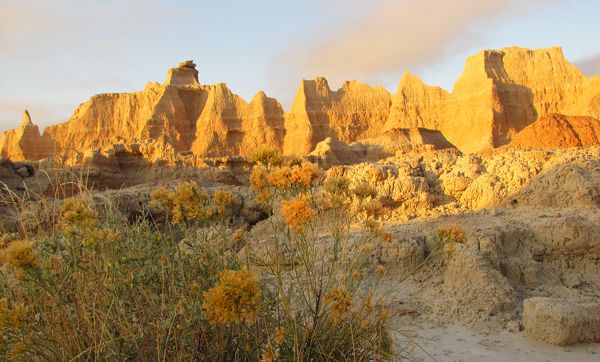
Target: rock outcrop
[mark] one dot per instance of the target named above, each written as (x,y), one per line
(25,142)
(557,130)
(353,112)
(561,322)
(208,120)
(498,94)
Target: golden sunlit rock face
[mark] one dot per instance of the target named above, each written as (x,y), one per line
(498,94)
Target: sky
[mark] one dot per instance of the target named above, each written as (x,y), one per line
(56,54)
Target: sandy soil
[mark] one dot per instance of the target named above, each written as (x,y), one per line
(460,343)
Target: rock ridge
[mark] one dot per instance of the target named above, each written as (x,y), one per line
(499,94)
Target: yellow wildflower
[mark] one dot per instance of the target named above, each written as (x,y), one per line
(297,212)
(258,178)
(280,177)
(78,214)
(304,174)
(190,203)
(264,195)
(267,356)
(380,269)
(235,298)
(224,200)
(92,237)
(300,175)
(20,254)
(162,197)
(340,303)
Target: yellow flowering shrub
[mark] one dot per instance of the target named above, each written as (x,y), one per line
(339,303)
(162,198)
(298,212)
(191,203)
(280,177)
(302,175)
(19,254)
(224,200)
(77,214)
(234,299)
(258,177)
(188,202)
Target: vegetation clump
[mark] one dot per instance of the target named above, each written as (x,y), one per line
(105,287)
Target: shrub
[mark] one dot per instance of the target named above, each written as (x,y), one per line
(140,292)
(224,200)
(298,212)
(187,203)
(266,155)
(234,299)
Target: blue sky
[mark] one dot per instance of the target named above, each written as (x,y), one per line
(55,54)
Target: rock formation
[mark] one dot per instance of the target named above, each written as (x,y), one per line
(557,130)
(498,94)
(25,142)
(353,112)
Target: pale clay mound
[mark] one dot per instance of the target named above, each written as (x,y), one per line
(498,94)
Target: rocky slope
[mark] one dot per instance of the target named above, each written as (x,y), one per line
(498,94)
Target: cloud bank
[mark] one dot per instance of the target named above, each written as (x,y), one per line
(392,35)
(590,66)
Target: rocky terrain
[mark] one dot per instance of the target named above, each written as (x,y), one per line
(507,166)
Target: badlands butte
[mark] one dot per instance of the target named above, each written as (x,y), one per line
(498,95)
(509,160)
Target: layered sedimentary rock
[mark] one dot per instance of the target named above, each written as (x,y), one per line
(208,120)
(25,142)
(353,112)
(498,94)
(557,130)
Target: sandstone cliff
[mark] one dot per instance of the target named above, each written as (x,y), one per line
(208,120)
(498,94)
(353,112)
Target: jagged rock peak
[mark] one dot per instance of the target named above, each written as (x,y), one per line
(187,64)
(26,119)
(185,75)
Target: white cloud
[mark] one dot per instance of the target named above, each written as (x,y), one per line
(389,36)
(590,66)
